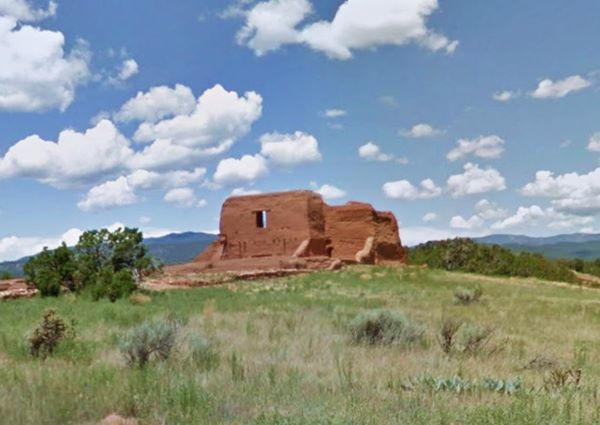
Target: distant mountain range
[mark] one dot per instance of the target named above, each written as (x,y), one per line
(174,248)
(575,245)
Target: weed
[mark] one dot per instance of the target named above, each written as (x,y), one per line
(467,296)
(45,338)
(385,327)
(448,331)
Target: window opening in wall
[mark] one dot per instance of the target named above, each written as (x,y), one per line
(261,219)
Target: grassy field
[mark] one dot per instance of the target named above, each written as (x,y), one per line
(286,356)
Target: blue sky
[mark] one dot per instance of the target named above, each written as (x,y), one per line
(461,117)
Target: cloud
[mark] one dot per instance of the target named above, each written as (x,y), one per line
(489,210)
(475,180)
(357,25)
(420,131)
(123,190)
(335,113)
(594,143)
(143,179)
(184,197)
(116,193)
(372,152)
(527,216)
(429,217)
(489,147)
(158,103)
(271,24)
(458,222)
(219,118)
(505,96)
(13,247)
(571,193)
(129,68)
(556,89)
(524,215)
(22,11)
(328,191)
(36,73)
(290,149)
(74,159)
(247,169)
(405,190)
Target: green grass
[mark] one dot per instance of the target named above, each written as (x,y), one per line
(286,356)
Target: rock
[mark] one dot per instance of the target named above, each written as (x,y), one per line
(115,419)
(337,264)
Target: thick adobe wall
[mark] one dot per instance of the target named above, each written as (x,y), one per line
(272,224)
(356,226)
(388,246)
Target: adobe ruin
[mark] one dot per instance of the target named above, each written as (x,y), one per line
(270,227)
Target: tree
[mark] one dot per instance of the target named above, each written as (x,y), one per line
(110,263)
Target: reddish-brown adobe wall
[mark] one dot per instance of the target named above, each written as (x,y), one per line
(301,224)
(290,219)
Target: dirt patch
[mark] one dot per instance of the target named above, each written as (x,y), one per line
(15,289)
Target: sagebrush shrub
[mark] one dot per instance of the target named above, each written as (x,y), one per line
(475,338)
(47,336)
(385,327)
(148,341)
(467,296)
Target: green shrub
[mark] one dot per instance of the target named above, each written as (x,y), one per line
(110,263)
(148,341)
(385,327)
(50,271)
(465,255)
(467,296)
(47,336)
(475,338)
(113,285)
(202,353)
(4,275)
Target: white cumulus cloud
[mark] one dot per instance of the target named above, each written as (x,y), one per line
(571,192)
(594,143)
(184,197)
(116,193)
(489,147)
(328,191)
(36,72)
(232,171)
(422,130)
(74,159)
(475,180)
(505,95)
(158,103)
(23,11)
(556,89)
(370,151)
(290,149)
(357,25)
(405,190)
